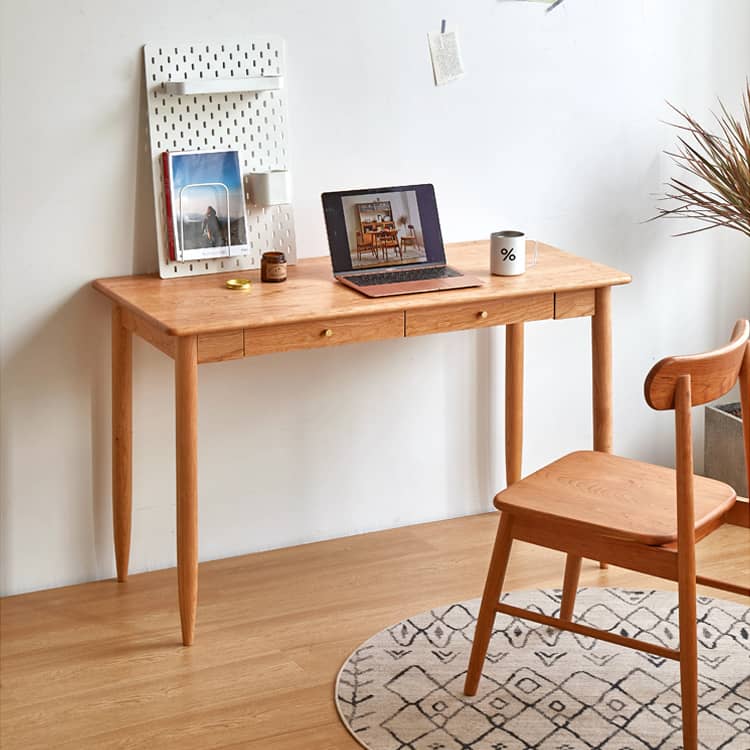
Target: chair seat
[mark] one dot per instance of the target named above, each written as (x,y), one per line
(613,496)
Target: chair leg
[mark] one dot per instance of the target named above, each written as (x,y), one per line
(492,588)
(688,662)
(570,586)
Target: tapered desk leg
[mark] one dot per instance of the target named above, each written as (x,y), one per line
(122,441)
(186,409)
(601,359)
(601,350)
(513,401)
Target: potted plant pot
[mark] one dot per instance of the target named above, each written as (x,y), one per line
(723,451)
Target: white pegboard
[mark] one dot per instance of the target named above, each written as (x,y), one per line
(253,122)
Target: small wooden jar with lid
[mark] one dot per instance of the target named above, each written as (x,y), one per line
(273,267)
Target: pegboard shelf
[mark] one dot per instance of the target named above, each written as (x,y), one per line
(199,86)
(213,97)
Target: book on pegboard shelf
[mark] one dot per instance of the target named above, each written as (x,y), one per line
(205,205)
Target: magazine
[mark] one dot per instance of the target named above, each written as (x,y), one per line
(205,204)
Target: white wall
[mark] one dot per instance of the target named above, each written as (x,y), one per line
(555,129)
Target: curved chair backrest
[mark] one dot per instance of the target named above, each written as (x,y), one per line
(712,374)
(682,382)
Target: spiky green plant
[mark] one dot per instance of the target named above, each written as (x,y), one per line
(722,161)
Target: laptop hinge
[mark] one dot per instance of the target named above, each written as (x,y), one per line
(386,269)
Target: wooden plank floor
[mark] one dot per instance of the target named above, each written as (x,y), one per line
(100,665)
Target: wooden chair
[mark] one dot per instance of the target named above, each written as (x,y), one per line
(366,244)
(409,239)
(388,240)
(639,516)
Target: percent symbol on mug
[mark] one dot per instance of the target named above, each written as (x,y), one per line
(507,254)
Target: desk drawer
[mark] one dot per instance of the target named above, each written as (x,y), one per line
(286,337)
(479,314)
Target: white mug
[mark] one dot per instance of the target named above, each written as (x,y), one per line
(508,253)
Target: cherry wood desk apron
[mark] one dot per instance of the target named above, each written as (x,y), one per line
(197,320)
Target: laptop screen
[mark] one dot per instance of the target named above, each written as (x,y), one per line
(383,228)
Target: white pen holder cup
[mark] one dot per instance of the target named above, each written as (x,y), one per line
(508,253)
(270,188)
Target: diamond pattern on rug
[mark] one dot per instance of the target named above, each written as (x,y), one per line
(544,689)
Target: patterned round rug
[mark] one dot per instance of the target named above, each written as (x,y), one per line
(544,689)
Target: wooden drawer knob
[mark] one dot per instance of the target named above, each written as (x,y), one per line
(483,315)
(328,333)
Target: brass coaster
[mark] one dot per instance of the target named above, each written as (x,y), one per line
(239,284)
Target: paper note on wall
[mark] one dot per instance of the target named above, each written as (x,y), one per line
(446,57)
(551,3)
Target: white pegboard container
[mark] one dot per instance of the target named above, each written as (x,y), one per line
(221,96)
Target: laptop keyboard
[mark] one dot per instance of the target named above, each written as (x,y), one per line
(394,277)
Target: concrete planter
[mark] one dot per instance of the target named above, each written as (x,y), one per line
(724,456)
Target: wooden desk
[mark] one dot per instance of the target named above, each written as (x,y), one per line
(197,320)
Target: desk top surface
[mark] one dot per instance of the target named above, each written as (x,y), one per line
(202,304)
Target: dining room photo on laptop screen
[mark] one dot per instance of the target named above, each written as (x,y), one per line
(383,228)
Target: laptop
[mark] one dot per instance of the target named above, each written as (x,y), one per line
(387,241)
